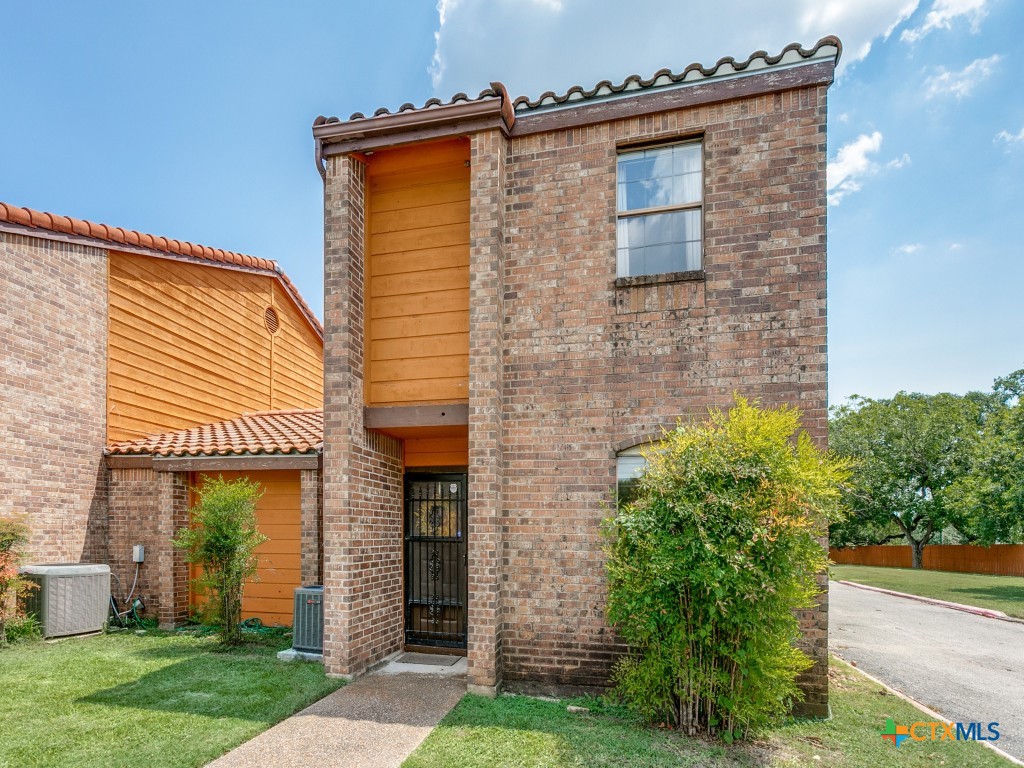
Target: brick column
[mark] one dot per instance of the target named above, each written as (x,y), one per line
(486,320)
(343,394)
(814,642)
(813,379)
(149,508)
(312,547)
(362,472)
(172,505)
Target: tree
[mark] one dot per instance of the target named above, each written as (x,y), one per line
(707,562)
(14,537)
(991,494)
(908,452)
(222,541)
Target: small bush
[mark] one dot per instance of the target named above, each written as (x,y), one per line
(222,542)
(24,629)
(707,563)
(14,538)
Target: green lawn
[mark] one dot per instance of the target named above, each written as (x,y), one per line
(156,699)
(521,732)
(1001,593)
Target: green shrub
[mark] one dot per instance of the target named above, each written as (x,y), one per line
(222,541)
(23,629)
(707,563)
(14,538)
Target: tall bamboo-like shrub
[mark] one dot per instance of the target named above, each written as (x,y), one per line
(708,562)
(14,537)
(222,541)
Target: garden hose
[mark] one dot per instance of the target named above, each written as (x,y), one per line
(249,626)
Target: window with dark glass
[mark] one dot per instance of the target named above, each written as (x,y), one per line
(660,196)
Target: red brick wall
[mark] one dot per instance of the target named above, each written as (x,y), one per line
(589,367)
(374,533)
(148,508)
(53,333)
(312,526)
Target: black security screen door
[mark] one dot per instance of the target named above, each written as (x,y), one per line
(435,560)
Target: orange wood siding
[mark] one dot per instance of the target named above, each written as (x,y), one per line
(418,289)
(271,598)
(187,345)
(437,452)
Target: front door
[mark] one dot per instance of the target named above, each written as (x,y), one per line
(435,560)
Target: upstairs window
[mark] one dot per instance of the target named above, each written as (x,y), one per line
(660,200)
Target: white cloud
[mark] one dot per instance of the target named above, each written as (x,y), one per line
(857,24)
(944,13)
(852,164)
(1010,139)
(898,162)
(437,61)
(960,84)
(909,248)
(539,45)
(955,246)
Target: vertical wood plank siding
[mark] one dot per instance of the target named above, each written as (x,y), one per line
(418,286)
(188,345)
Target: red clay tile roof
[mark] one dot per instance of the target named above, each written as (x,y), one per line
(793,53)
(52,222)
(494,92)
(252,434)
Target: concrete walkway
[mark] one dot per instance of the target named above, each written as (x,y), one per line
(375,722)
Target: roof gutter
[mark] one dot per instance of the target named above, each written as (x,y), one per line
(321,166)
(334,137)
(651,101)
(214,463)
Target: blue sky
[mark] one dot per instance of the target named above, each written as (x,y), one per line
(192,120)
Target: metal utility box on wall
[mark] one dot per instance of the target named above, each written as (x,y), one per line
(308,629)
(72,598)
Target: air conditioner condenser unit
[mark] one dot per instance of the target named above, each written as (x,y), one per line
(308,629)
(71,598)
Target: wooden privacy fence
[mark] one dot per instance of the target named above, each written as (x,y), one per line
(997,560)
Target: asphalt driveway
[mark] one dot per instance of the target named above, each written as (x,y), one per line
(966,667)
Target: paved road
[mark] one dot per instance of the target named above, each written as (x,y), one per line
(965,667)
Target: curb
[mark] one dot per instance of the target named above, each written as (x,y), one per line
(986,612)
(910,700)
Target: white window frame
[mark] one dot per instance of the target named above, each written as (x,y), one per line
(630,464)
(621,215)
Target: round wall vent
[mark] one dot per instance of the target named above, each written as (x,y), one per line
(270,319)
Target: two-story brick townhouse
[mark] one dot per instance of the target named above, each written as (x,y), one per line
(520,292)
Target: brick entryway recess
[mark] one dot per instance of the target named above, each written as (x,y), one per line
(375,722)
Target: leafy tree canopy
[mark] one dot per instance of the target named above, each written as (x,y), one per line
(909,451)
(991,495)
